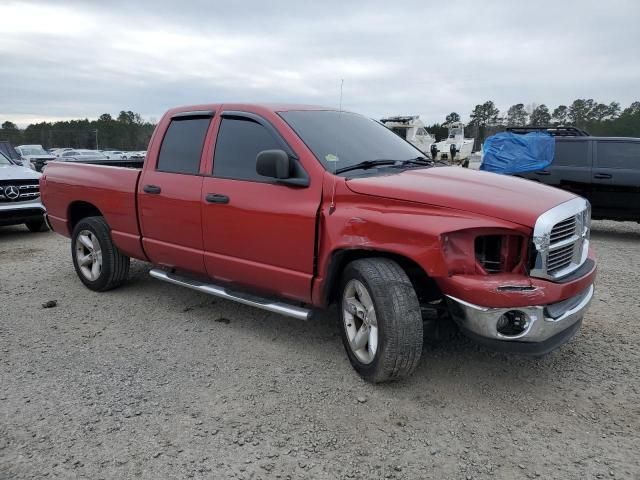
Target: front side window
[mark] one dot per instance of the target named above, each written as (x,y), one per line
(619,155)
(182,145)
(4,160)
(571,154)
(239,142)
(342,139)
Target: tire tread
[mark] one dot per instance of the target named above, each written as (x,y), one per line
(114,263)
(397,305)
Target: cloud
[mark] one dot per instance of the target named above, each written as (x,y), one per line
(70,59)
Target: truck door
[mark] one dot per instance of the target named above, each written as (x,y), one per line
(616,179)
(257,233)
(169,195)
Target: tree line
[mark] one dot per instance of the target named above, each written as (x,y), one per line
(128,131)
(597,118)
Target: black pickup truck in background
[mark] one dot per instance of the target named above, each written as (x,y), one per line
(604,170)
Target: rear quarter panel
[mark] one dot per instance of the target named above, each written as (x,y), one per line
(112,190)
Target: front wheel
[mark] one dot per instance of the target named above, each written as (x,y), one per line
(381,319)
(98,262)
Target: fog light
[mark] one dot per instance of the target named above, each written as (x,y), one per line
(512,323)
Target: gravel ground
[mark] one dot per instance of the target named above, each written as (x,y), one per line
(154,381)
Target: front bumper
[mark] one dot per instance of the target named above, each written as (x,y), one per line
(547,326)
(17,213)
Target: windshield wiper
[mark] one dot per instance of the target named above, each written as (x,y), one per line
(416,161)
(366,164)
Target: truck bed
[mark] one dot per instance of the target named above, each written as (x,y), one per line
(71,186)
(110,162)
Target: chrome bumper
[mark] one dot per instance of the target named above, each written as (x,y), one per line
(543,322)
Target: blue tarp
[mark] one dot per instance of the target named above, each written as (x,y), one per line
(510,153)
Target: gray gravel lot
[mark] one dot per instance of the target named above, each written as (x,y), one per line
(154,381)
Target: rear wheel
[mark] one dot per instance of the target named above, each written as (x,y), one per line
(98,262)
(37,226)
(381,319)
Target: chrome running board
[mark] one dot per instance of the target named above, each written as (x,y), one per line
(299,313)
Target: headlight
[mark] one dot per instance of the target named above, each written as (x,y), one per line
(499,253)
(484,251)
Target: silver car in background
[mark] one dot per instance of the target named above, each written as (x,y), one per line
(20,196)
(82,156)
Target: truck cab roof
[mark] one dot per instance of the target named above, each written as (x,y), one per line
(252,107)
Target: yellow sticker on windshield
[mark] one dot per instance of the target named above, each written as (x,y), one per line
(330,157)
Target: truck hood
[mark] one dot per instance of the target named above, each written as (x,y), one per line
(16,172)
(488,194)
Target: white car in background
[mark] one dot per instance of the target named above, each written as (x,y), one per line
(20,196)
(59,151)
(137,155)
(115,154)
(34,156)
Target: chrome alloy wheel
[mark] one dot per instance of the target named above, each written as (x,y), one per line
(89,255)
(360,321)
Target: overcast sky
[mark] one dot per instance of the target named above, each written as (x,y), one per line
(71,59)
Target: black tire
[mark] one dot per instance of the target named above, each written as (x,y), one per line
(37,226)
(115,265)
(399,320)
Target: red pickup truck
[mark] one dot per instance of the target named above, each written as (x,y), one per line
(290,208)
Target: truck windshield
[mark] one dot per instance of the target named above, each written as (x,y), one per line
(342,139)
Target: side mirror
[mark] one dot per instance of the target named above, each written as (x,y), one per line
(274,164)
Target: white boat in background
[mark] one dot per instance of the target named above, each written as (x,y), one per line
(456,148)
(411,128)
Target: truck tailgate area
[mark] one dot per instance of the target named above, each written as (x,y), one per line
(68,188)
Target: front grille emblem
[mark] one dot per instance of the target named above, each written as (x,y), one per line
(11,192)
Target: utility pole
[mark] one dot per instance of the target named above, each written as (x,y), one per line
(96,131)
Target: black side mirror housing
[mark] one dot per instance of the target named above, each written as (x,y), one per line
(279,165)
(274,164)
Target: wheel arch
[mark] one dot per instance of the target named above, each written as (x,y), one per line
(426,288)
(79,210)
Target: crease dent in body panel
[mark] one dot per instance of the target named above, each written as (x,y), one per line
(354,231)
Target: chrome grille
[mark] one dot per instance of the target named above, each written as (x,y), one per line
(560,258)
(563,230)
(561,239)
(26,190)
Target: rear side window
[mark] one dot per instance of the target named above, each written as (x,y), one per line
(182,145)
(238,144)
(571,154)
(619,155)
